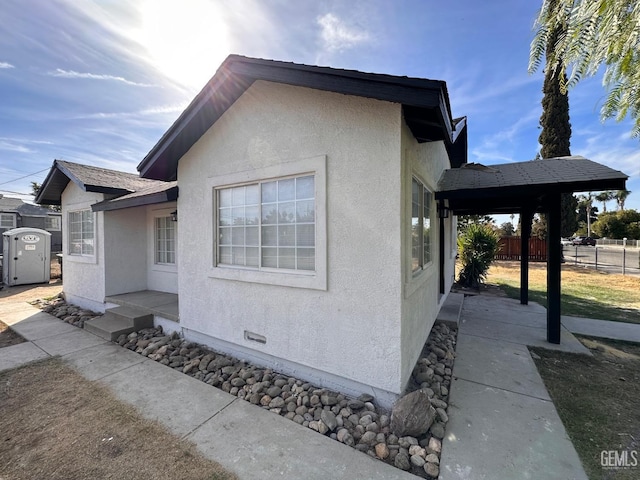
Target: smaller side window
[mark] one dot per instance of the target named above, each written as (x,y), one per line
(81,232)
(421,199)
(165,241)
(7,220)
(52,223)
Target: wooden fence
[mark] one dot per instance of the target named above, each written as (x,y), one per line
(510,249)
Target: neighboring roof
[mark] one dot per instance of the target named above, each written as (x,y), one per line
(160,193)
(425,105)
(89,179)
(16,205)
(476,188)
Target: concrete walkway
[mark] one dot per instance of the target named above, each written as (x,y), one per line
(244,438)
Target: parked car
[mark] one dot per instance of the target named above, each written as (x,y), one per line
(565,241)
(584,241)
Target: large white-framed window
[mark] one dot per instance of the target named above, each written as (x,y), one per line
(53,223)
(165,241)
(7,220)
(81,232)
(268,225)
(421,200)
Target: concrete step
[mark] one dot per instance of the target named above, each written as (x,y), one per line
(117,321)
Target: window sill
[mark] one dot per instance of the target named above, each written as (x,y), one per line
(308,280)
(75,258)
(418,279)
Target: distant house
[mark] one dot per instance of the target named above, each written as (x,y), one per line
(305,236)
(15,213)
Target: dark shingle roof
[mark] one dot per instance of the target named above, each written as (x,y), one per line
(159,193)
(90,179)
(16,205)
(497,188)
(425,104)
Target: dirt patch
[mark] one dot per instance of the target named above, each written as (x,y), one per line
(8,337)
(57,425)
(597,399)
(30,293)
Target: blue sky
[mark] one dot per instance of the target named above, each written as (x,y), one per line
(98,82)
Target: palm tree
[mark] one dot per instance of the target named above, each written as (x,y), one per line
(587,201)
(604,197)
(621,196)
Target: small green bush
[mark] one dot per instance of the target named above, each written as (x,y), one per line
(477,247)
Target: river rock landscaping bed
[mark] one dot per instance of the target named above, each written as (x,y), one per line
(409,437)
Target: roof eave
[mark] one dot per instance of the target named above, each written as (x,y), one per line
(168,195)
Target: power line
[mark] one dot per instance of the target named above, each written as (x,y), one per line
(17,193)
(20,178)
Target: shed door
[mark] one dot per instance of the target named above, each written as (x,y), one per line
(28,259)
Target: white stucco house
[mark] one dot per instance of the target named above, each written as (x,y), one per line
(305,235)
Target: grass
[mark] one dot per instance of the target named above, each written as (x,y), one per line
(585,292)
(57,425)
(8,337)
(597,400)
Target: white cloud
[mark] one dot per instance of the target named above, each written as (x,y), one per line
(6,65)
(160,110)
(92,76)
(338,36)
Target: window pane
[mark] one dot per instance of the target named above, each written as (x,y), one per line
(225,255)
(237,214)
(287,235)
(305,211)
(225,236)
(305,187)
(270,236)
(426,225)
(269,192)
(237,236)
(252,236)
(252,215)
(238,255)
(269,257)
(224,197)
(286,212)
(225,217)
(305,235)
(306,259)
(286,190)
(252,256)
(287,258)
(252,194)
(416,226)
(269,214)
(237,196)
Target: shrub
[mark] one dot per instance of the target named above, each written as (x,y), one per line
(477,248)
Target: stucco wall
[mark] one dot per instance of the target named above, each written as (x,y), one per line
(125,250)
(163,278)
(83,276)
(349,328)
(421,292)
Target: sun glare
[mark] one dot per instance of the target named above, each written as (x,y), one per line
(186,40)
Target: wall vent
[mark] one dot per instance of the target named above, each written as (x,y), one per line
(254,337)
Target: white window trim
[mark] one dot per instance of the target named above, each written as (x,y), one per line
(153,266)
(415,280)
(317,280)
(13,220)
(80,257)
(155,241)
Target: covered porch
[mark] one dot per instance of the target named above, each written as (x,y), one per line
(527,188)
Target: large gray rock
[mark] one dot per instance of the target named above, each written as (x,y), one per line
(412,415)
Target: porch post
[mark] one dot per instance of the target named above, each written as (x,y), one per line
(554,257)
(526,216)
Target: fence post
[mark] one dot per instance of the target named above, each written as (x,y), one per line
(575,258)
(624,259)
(596,257)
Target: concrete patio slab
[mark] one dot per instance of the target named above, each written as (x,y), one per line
(602,328)
(498,364)
(270,446)
(102,360)
(160,393)
(493,433)
(42,325)
(14,313)
(20,354)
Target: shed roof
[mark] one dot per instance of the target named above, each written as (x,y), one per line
(90,179)
(425,105)
(17,205)
(504,188)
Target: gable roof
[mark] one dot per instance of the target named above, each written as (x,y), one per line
(476,188)
(159,193)
(17,205)
(89,179)
(425,105)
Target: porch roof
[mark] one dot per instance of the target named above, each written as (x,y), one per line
(89,179)
(425,105)
(509,187)
(160,193)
